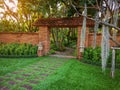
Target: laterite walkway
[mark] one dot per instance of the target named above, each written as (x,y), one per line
(29,77)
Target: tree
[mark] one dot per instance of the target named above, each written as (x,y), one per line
(108,11)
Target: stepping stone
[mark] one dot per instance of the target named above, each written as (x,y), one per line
(44,74)
(12,82)
(56,66)
(26,75)
(39,78)
(50,72)
(37,69)
(52,68)
(33,82)
(28,87)
(4,88)
(22,71)
(15,72)
(21,79)
(1,79)
(7,76)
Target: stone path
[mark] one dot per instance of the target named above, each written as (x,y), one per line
(68,53)
(63,56)
(27,78)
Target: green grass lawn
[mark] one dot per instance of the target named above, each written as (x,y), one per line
(71,75)
(8,65)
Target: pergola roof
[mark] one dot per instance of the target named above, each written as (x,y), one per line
(62,22)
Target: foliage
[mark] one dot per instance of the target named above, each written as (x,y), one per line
(93,56)
(15,49)
(63,37)
(52,51)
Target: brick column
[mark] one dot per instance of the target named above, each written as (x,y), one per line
(44,37)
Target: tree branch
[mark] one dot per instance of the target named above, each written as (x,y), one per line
(100,22)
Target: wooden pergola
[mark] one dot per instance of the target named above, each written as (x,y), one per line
(47,23)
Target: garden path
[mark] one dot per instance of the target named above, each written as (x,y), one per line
(68,53)
(32,75)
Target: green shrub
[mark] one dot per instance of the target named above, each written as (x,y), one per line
(93,56)
(15,49)
(52,51)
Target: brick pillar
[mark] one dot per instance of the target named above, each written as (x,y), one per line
(79,54)
(44,37)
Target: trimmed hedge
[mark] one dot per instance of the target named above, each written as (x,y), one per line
(93,56)
(15,49)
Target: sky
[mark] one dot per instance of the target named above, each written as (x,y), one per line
(12,4)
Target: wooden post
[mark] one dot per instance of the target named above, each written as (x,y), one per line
(113,63)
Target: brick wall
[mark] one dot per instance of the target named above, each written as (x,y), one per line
(20,38)
(44,36)
(98,40)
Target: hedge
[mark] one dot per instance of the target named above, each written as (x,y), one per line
(93,56)
(16,49)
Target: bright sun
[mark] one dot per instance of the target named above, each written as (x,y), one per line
(12,4)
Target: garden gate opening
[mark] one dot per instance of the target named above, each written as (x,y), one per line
(63,42)
(45,25)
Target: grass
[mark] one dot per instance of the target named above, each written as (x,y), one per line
(71,75)
(8,65)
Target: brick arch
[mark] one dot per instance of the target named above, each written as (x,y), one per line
(45,25)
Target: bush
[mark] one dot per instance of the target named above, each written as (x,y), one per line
(52,51)
(93,56)
(15,49)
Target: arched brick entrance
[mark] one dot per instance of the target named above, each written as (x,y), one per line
(45,25)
